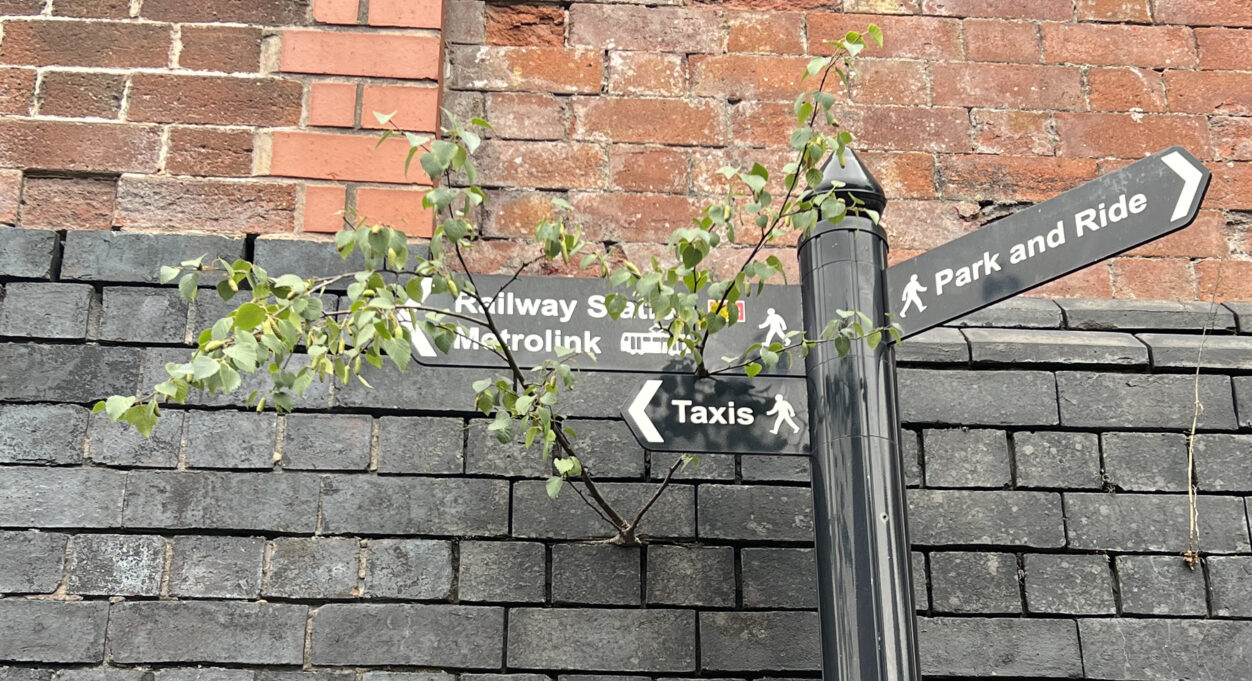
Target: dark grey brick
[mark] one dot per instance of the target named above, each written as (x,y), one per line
(691,575)
(216,567)
(1019,346)
(1057,459)
(946,517)
(747,641)
(25,674)
(986,398)
(319,675)
(1243,393)
(910,453)
(418,569)
(327,442)
(61,497)
(271,502)
(506,677)
(38,310)
(1243,314)
(719,467)
(974,581)
(1009,647)
(772,468)
(201,631)
(52,631)
(66,373)
(431,506)
(595,574)
(409,676)
(137,256)
(308,259)
(917,570)
(1069,584)
(502,572)
(30,562)
(441,389)
(1160,585)
(1126,649)
(600,677)
(1018,312)
(42,433)
(598,394)
(1144,315)
(116,565)
(756,512)
(231,439)
(536,515)
(152,371)
(1146,462)
(960,457)
(611,640)
(938,345)
(208,308)
(321,567)
(1223,463)
(143,315)
(420,445)
(105,674)
(779,578)
(1154,522)
(205,674)
(1143,401)
(116,443)
(1230,578)
(27,253)
(1184,350)
(411,635)
(606,447)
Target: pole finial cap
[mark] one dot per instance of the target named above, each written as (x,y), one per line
(852,181)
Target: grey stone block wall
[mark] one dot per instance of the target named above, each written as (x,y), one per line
(381,536)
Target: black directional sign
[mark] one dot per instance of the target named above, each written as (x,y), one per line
(1126,208)
(536,315)
(724,414)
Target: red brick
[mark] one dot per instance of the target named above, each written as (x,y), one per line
(1128,135)
(660,121)
(1054,10)
(397,208)
(1090,282)
(525,25)
(651,29)
(776,32)
(113,44)
(1014,42)
(272,12)
(209,151)
(347,53)
(883,6)
(1011,179)
(745,76)
(1209,92)
(344,12)
(330,156)
(646,73)
(923,225)
(1134,11)
(648,169)
(89,9)
(221,48)
(17,89)
(516,214)
(1126,89)
(417,106)
(542,69)
(1000,131)
(705,164)
(1231,187)
(334,105)
(10,195)
(1150,46)
(1153,278)
(406,13)
(1204,238)
(87,147)
(81,94)
(68,203)
(632,217)
(724,262)
(493,256)
(761,124)
(880,81)
(1232,137)
(324,208)
(1008,85)
(1204,12)
(524,115)
(903,175)
(939,129)
(542,165)
(213,206)
(1224,49)
(907,37)
(220,100)
(1225,280)
(21,7)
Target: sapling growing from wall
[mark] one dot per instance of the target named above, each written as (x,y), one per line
(282,330)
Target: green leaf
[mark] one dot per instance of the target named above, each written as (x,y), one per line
(168,273)
(752,369)
(244,356)
(484,402)
(554,486)
(97,407)
(874,33)
(873,339)
(842,345)
(563,466)
(187,286)
(816,65)
(384,119)
(117,405)
(203,367)
(249,316)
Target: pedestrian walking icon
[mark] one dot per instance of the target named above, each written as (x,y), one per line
(910,296)
(785,411)
(776,325)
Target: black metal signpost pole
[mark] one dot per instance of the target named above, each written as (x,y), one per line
(868,625)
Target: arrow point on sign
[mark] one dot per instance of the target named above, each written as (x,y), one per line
(637,411)
(421,344)
(1191,177)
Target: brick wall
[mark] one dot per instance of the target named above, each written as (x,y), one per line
(385,535)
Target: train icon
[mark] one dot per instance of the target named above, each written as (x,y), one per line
(654,341)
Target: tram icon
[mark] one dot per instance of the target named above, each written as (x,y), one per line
(654,341)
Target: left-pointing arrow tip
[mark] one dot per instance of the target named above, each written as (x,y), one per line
(637,411)
(1191,177)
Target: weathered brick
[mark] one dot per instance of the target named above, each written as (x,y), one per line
(779,578)
(27,253)
(535,515)
(1222,463)
(946,517)
(1011,178)
(81,95)
(110,44)
(648,169)
(1001,41)
(1160,585)
(320,567)
(525,69)
(218,206)
(209,152)
(910,453)
(42,434)
(939,345)
(911,37)
(79,146)
(273,12)
(220,48)
(138,257)
(1126,89)
(1153,522)
(1069,584)
(442,389)
(743,641)
(419,569)
(1126,135)
(25,674)
(53,631)
(116,565)
(413,635)
(1183,351)
(661,29)
(1135,400)
(1055,347)
(190,631)
(1153,278)
(643,120)
(595,575)
(606,447)
(968,646)
(217,500)
(1146,462)
(1171,46)
(993,398)
(742,76)
(68,497)
(327,442)
(1146,315)
(699,576)
(501,572)
(102,674)
(1008,85)
(65,372)
(216,567)
(229,439)
(633,217)
(30,562)
(1125,648)
(18,89)
(653,640)
(646,73)
(769,468)
(1055,459)
(1230,579)
(967,582)
(114,443)
(38,310)
(756,512)
(1019,312)
(429,506)
(143,315)
(967,458)
(439,453)
(524,25)
(409,676)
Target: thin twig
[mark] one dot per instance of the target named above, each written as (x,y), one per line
(1192,555)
